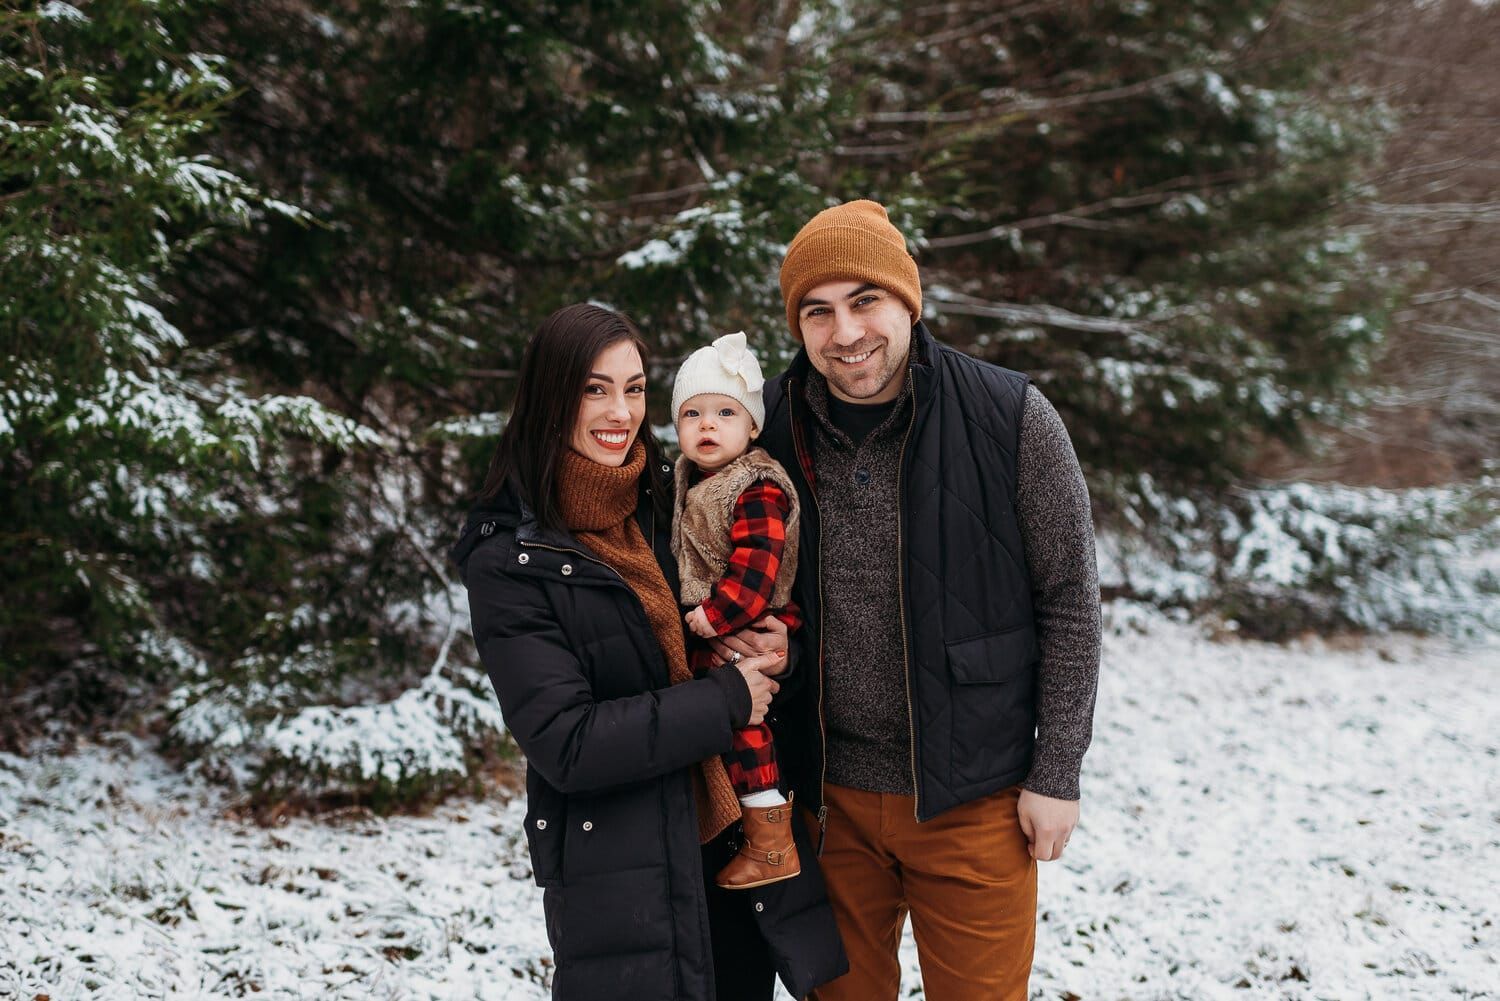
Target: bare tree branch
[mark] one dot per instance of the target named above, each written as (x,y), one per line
(1465,211)
(1026,104)
(1050,316)
(1159,194)
(1488,338)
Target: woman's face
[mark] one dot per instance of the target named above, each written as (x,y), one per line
(613,405)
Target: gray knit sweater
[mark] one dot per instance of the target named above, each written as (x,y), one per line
(865,699)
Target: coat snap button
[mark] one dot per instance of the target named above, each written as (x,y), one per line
(541,825)
(523,559)
(567,569)
(588,825)
(759,906)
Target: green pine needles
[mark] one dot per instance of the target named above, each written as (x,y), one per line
(268,269)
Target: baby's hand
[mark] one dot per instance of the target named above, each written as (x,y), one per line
(697,623)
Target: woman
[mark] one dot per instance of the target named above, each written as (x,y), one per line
(572,592)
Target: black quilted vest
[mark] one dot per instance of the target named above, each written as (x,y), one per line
(971,649)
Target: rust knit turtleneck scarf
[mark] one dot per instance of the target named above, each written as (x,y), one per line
(598,503)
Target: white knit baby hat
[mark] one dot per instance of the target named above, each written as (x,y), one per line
(727,367)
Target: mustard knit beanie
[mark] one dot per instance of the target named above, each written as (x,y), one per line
(854,241)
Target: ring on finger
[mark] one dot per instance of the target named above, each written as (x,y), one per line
(735,656)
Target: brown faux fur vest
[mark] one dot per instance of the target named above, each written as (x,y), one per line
(704,514)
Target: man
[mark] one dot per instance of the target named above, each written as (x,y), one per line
(949,580)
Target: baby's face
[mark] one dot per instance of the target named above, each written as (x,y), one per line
(713,430)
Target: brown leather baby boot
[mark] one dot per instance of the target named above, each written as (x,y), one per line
(767,852)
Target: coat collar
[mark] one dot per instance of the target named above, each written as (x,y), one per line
(508,513)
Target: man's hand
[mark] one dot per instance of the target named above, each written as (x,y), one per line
(1047,823)
(767,635)
(697,623)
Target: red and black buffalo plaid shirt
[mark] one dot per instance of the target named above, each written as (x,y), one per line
(743,596)
(758,534)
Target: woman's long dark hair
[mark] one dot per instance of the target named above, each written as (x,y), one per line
(549,392)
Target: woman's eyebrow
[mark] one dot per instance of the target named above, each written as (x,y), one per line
(600,376)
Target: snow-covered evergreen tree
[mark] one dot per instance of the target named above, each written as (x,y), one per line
(269,268)
(125,454)
(1137,203)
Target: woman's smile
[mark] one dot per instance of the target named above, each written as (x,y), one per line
(614,440)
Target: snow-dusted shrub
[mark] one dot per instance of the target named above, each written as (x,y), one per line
(281,728)
(1301,556)
(424,739)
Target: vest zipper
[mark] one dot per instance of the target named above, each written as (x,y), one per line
(822,729)
(911,712)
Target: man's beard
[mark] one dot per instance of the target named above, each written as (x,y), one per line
(862,387)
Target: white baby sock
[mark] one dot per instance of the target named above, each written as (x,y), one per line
(766,797)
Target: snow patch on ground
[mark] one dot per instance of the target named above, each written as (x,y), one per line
(1312,821)
(119,879)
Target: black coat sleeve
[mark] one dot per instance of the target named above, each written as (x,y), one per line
(579,744)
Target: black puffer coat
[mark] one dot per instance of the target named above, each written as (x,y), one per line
(965,590)
(610,747)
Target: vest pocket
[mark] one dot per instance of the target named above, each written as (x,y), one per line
(993,658)
(992,698)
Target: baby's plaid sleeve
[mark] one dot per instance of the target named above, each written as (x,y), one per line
(758,534)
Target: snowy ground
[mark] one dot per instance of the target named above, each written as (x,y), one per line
(1320,821)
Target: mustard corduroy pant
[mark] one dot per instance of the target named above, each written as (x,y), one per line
(966,877)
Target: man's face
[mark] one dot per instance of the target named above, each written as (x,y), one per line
(858,336)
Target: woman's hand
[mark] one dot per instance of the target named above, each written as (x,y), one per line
(768,635)
(756,671)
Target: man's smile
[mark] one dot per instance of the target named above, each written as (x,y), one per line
(853,359)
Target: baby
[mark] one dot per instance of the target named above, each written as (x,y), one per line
(734,533)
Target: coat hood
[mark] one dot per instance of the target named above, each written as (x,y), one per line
(496,514)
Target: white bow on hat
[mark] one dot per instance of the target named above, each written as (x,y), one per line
(734,354)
